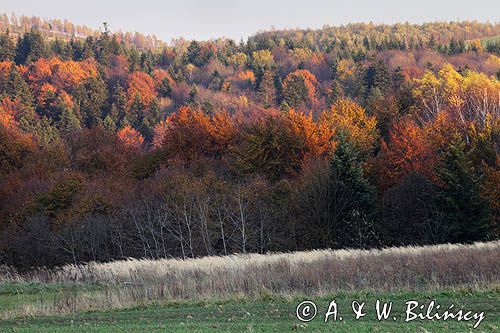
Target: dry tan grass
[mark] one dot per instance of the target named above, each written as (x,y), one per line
(132,282)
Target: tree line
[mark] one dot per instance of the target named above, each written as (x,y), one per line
(277,144)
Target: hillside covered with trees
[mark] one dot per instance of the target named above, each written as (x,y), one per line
(355,136)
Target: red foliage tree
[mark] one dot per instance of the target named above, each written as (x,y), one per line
(409,150)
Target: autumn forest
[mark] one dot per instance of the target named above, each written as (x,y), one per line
(115,145)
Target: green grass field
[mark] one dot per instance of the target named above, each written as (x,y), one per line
(486,41)
(267,314)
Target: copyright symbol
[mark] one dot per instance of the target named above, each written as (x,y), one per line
(306,311)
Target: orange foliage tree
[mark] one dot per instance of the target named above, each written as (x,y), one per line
(5,67)
(65,75)
(317,137)
(159,75)
(131,137)
(190,133)
(69,74)
(40,72)
(9,110)
(142,86)
(223,131)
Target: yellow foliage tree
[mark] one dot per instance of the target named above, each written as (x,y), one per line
(349,118)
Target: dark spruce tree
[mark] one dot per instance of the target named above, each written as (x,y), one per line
(30,47)
(7,47)
(466,213)
(352,198)
(266,90)
(16,87)
(377,76)
(90,97)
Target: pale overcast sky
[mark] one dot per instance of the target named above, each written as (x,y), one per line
(239,19)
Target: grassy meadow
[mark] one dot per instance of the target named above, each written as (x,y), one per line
(255,293)
(262,314)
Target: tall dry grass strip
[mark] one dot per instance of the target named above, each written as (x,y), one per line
(318,272)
